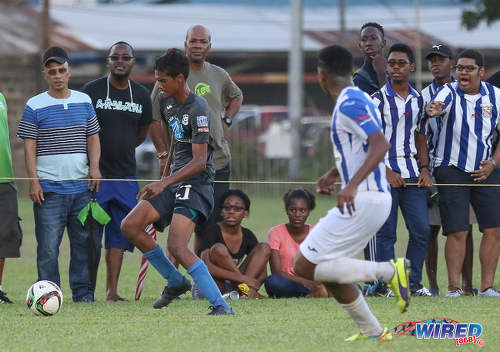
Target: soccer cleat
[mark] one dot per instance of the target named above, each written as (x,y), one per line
(457,293)
(171,293)
(4,298)
(399,283)
(423,292)
(220,310)
(490,291)
(383,337)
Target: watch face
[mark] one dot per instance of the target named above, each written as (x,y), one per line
(228,121)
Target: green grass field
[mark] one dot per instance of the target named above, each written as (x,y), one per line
(263,325)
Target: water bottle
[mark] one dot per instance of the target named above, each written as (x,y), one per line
(233,295)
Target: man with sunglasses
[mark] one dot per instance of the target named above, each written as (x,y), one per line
(407,161)
(467,113)
(61,145)
(123,109)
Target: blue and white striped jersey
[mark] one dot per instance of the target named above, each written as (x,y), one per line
(467,126)
(400,121)
(354,119)
(431,124)
(61,128)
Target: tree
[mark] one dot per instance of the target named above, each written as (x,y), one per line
(485,10)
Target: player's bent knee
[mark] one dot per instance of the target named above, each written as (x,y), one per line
(218,250)
(264,248)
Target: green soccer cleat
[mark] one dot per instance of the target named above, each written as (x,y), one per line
(383,337)
(399,283)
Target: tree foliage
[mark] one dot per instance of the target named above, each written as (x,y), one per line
(485,10)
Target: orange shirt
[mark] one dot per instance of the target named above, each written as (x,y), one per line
(280,240)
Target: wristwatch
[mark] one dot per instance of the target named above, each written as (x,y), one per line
(227,120)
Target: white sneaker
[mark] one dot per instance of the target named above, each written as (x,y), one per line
(456,293)
(489,292)
(422,292)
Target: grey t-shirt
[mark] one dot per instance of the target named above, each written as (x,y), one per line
(216,86)
(189,123)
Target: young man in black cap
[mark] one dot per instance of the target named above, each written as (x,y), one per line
(61,141)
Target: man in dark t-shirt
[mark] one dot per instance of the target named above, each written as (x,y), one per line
(185,196)
(123,108)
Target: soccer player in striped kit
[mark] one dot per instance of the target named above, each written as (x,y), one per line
(401,108)
(468,120)
(327,254)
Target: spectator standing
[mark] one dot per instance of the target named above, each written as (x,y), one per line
(11,234)
(401,108)
(284,241)
(232,252)
(61,140)
(468,113)
(123,109)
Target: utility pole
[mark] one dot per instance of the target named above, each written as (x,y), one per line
(418,46)
(342,22)
(295,86)
(45,26)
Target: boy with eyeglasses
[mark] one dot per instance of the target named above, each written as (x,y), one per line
(407,161)
(468,116)
(123,109)
(61,141)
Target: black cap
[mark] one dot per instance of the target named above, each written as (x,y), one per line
(441,50)
(55,53)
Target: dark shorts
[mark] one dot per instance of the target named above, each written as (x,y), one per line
(11,235)
(190,194)
(454,200)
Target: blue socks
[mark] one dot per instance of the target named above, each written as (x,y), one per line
(159,260)
(206,284)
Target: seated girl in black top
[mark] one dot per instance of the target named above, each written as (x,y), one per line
(226,243)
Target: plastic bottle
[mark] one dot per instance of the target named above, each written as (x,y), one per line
(233,295)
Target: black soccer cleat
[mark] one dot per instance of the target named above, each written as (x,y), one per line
(4,298)
(220,310)
(171,293)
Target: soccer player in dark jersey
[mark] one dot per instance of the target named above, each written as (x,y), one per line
(185,196)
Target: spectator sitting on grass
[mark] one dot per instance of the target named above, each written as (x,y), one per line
(225,245)
(284,241)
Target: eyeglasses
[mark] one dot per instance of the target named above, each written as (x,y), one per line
(118,57)
(400,63)
(54,71)
(235,208)
(468,68)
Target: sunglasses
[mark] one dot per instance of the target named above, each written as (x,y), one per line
(125,58)
(55,71)
(236,208)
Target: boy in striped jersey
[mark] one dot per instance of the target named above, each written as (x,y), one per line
(468,125)
(61,140)
(440,60)
(327,254)
(401,108)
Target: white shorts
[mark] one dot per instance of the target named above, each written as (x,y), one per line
(338,235)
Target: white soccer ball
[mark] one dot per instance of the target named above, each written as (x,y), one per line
(44,298)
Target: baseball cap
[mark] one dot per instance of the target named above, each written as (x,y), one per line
(441,50)
(55,53)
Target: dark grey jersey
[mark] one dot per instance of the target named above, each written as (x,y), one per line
(190,124)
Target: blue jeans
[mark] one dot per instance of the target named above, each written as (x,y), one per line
(57,212)
(277,287)
(413,203)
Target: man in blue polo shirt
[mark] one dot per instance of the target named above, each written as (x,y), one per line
(407,161)
(468,116)
(61,141)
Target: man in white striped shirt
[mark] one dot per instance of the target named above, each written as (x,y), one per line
(328,252)
(401,108)
(441,61)
(468,124)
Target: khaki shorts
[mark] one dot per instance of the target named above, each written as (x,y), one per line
(11,235)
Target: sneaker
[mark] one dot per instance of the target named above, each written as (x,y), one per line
(423,292)
(490,291)
(399,283)
(383,337)
(220,310)
(457,293)
(4,298)
(171,293)
(434,291)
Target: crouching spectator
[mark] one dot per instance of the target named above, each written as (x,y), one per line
(284,241)
(232,253)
